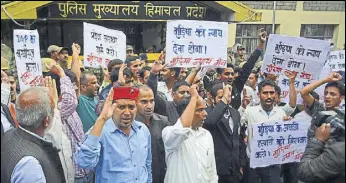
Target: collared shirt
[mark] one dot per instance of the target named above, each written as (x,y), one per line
(71,120)
(28,169)
(256,114)
(189,155)
(86,111)
(162,87)
(5,122)
(116,157)
(157,124)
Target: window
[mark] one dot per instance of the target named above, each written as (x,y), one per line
(247,35)
(323,32)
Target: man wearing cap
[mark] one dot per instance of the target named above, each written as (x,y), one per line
(59,54)
(129,51)
(240,56)
(118,147)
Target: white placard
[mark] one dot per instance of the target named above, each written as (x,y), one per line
(301,55)
(101,45)
(337,60)
(28,59)
(191,42)
(5,93)
(278,142)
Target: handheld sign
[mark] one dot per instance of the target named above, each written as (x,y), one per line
(278,142)
(191,42)
(101,45)
(28,59)
(301,55)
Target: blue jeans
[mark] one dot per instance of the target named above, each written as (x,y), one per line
(87,179)
(269,174)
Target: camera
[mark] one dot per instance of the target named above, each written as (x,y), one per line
(335,118)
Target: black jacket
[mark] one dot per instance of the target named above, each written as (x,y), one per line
(157,124)
(322,163)
(244,73)
(8,116)
(163,107)
(17,143)
(230,154)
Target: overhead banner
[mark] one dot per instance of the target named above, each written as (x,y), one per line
(191,42)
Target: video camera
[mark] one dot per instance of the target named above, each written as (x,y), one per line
(335,118)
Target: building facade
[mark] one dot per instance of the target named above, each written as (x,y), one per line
(311,19)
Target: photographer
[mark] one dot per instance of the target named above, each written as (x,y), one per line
(322,163)
(334,94)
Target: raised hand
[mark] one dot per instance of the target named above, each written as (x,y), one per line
(51,85)
(262,35)
(157,67)
(323,132)
(291,75)
(227,94)
(56,69)
(246,99)
(108,107)
(75,48)
(333,77)
(121,78)
(194,91)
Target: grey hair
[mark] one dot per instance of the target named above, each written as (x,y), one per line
(142,86)
(31,116)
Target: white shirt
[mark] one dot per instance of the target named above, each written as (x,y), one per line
(255,114)
(162,87)
(189,155)
(57,135)
(304,115)
(6,125)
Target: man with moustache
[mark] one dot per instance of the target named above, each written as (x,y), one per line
(180,91)
(266,111)
(156,123)
(135,65)
(26,156)
(59,54)
(189,147)
(87,100)
(227,75)
(223,122)
(118,147)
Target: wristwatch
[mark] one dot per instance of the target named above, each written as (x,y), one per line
(318,141)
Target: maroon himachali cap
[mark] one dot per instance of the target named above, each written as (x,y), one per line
(125,93)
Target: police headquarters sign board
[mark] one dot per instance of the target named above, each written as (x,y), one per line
(101,45)
(136,10)
(278,142)
(191,42)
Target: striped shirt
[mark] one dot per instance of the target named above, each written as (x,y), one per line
(71,120)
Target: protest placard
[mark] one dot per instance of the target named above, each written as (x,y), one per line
(101,45)
(26,47)
(336,60)
(191,42)
(278,142)
(301,55)
(5,93)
